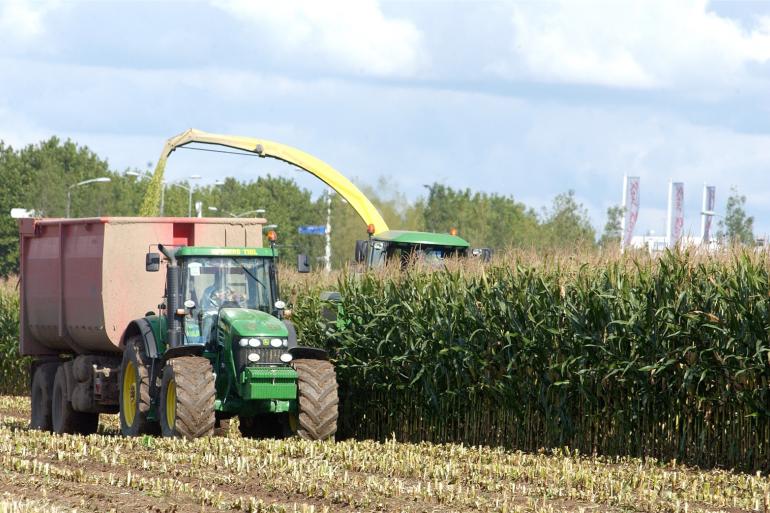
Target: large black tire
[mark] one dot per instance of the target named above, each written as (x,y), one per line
(41,394)
(264,425)
(187,396)
(63,418)
(134,390)
(317,399)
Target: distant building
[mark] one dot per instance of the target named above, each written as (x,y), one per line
(658,243)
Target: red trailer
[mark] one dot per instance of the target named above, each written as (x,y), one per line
(83,282)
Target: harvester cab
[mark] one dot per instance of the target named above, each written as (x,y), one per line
(406,246)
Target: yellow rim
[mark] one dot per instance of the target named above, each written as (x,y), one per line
(171,404)
(130,392)
(293,422)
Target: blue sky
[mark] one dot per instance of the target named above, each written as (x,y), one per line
(527,99)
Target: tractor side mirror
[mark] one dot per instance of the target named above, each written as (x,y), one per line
(303,264)
(361,247)
(152,262)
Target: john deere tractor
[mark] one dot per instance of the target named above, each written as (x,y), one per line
(222,349)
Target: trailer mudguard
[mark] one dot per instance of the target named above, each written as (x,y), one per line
(144,328)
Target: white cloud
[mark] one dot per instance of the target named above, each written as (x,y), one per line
(649,44)
(23,19)
(349,35)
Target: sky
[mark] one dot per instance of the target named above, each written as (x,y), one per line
(526,99)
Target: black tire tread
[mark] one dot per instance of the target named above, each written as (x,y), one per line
(318,399)
(135,350)
(71,421)
(41,396)
(195,397)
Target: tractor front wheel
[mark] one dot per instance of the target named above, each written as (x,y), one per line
(187,396)
(317,399)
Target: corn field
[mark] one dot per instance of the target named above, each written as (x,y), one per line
(665,358)
(14,370)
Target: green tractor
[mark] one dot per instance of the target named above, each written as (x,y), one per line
(220,348)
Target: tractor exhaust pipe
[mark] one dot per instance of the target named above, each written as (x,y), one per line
(173,324)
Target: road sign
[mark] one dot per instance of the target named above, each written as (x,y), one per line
(312,230)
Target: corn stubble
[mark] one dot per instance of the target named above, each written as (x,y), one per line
(105,471)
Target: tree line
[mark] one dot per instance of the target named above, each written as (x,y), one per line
(39,177)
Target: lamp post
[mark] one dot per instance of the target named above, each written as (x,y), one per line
(190,190)
(102,179)
(257,211)
(328,232)
(139,174)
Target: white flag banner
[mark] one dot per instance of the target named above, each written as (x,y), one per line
(630,208)
(675,212)
(709,203)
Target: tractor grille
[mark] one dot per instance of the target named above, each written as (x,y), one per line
(267,356)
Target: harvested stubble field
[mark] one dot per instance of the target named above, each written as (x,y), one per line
(106,472)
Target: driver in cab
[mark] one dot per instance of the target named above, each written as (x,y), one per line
(218,295)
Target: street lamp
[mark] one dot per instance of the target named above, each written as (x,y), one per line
(141,175)
(102,179)
(190,190)
(257,211)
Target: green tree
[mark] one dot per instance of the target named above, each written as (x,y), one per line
(11,196)
(736,226)
(566,224)
(483,219)
(613,227)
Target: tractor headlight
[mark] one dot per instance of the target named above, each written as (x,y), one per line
(243,342)
(254,342)
(285,343)
(253,357)
(276,342)
(286,357)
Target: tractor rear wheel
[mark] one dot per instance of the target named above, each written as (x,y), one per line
(42,392)
(63,418)
(134,382)
(187,396)
(317,399)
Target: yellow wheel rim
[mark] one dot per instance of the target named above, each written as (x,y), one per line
(130,392)
(293,422)
(171,404)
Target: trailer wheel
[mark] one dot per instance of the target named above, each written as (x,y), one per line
(42,392)
(134,393)
(63,417)
(317,399)
(265,425)
(187,396)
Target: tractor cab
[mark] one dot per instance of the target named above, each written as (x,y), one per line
(234,285)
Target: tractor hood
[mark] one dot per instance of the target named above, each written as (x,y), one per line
(252,323)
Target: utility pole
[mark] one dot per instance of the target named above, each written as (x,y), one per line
(328,231)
